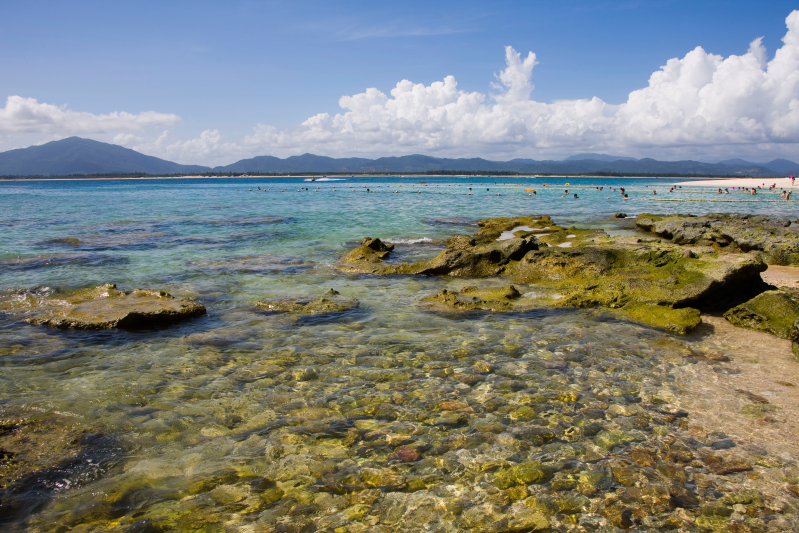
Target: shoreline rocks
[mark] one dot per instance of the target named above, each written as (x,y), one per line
(105,307)
(773,236)
(330,303)
(657,283)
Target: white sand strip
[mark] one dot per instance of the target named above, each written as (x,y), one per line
(782,183)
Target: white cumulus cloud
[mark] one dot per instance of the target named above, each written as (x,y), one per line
(27,115)
(702,101)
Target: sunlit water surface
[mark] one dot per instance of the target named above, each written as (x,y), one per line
(240,421)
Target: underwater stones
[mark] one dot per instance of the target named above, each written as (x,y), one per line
(610,438)
(474,299)
(682,321)
(406,454)
(774,312)
(107,307)
(332,302)
(527,473)
(383,478)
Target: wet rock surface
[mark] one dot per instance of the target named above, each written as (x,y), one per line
(506,298)
(330,303)
(773,311)
(774,236)
(106,307)
(582,268)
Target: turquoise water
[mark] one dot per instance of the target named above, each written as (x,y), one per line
(242,422)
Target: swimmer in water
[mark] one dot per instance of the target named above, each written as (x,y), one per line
(625,197)
(575,195)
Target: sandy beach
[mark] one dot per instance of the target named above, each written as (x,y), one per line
(782,183)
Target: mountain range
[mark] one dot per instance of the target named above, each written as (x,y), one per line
(77,156)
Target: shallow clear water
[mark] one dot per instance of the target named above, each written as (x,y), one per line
(240,420)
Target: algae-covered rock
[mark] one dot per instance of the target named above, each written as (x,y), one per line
(474,299)
(744,233)
(332,302)
(107,307)
(369,252)
(682,321)
(774,312)
(528,473)
(576,267)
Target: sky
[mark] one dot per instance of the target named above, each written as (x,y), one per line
(215,82)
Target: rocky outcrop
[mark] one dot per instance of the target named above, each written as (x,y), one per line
(774,236)
(774,312)
(106,307)
(651,282)
(332,302)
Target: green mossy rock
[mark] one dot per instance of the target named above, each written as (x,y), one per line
(682,321)
(656,283)
(332,302)
(774,312)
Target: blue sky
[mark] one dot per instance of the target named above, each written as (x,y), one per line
(226,67)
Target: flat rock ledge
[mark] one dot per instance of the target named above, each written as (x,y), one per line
(330,303)
(661,284)
(105,307)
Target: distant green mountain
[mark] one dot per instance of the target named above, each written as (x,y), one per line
(84,156)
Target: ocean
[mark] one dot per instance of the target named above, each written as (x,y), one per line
(241,421)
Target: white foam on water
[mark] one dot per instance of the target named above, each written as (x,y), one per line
(408,241)
(570,236)
(564,245)
(325,179)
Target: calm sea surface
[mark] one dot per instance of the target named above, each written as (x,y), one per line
(231,420)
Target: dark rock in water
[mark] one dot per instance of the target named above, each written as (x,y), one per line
(774,312)
(107,307)
(57,260)
(619,215)
(742,233)
(332,302)
(725,444)
(256,264)
(474,299)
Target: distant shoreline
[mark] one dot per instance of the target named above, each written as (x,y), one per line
(530,176)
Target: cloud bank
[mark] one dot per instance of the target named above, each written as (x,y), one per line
(699,104)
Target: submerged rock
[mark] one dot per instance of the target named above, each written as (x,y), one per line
(473,299)
(773,236)
(105,307)
(774,312)
(332,302)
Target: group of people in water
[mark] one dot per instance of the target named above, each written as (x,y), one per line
(752,191)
